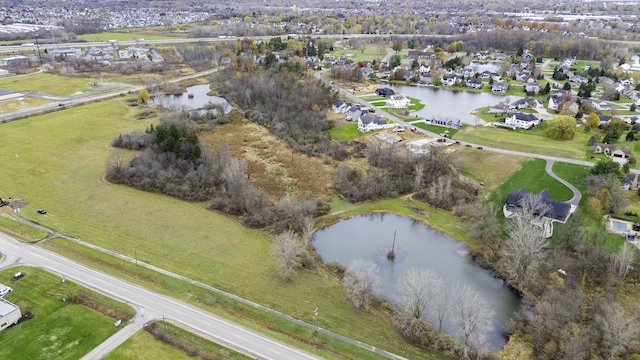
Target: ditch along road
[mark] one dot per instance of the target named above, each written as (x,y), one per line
(149,312)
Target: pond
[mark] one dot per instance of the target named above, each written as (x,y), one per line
(449,103)
(194,98)
(417,246)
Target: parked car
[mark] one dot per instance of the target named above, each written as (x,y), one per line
(5,291)
(479,148)
(42,211)
(468,145)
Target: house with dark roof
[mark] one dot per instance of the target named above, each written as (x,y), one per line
(500,87)
(549,210)
(385,92)
(474,83)
(522,121)
(369,122)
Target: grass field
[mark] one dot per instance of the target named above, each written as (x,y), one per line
(533,177)
(143,345)
(59,329)
(123,36)
(370,53)
(21,231)
(48,83)
(533,141)
(19,104)
(490,169)
(182,237)
(345,132)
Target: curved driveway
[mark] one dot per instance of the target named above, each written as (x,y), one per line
(577,196)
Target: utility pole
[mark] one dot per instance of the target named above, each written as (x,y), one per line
(38,47)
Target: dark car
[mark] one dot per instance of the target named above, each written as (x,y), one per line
(479,148)
(42,211)
(468,145)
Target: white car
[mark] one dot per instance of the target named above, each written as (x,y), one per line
(5,291)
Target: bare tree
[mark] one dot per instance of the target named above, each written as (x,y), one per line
(361,281)
(620,331)
(289,253)
(473,321)
(419,176)
(624,258)
(307,229)
(485,228)
(414,294)
(235,179)
(525,246)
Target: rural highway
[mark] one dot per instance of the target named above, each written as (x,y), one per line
(225,332)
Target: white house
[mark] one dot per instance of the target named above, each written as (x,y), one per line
(369,122)
(9,314)
(522,121)
(532,86)
(398,102)
(474,83)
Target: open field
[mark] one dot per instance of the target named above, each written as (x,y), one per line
(532,141)
(345,132)
(59,329)
(370,53)
(143,345)
(490,169)
(182,237)
(47,83)
(23,232)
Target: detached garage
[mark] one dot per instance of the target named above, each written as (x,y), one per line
(9,314)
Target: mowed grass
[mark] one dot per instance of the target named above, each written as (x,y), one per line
(489,168)
(533,141)
(22,103)
(143,345)
(182,237)
(123,36)
(59,329)
(345,132)
(48,83)
(533,177)
(21,231)
(370,53)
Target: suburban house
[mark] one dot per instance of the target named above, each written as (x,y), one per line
(550,210)
(354,113)
(445,121)
(522,76)
(599,105)
(604,120)
(385,92)
(555,102)
(522,121)
(490,75)
(426,79)
(9,314)
(532,86)
(615,152)
(449,80)
(414,54)
(500,87)
(474,83)
(579,79)
(398,102)
(526,103)
(340,106)
(369,122)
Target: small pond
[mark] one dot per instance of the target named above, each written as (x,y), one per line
(194,98)
(449,103)
(370,237)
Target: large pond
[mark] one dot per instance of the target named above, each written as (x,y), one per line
(449,103)
(194,98)
(419,246)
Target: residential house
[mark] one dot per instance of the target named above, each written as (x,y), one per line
(499,57)
(490,75)
(599,105)
(481,55)
(500,87)
(523,76)
(532,86)
(385,92)
(549,210)
(446,121)
(423,69)
(615,152)
(474,83)
(632,120)
(398,102)
(466,72)
(414,54)
(579,79)
(384,74)
(369,122)
(426,79)
(340,107)
(522,121)
(449,80)
(354,113)
(526,103)
(555,102)
(604,120)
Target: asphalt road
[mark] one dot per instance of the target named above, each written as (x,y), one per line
(225,332)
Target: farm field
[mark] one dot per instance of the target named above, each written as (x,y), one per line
(59,329)
(182,237)
(47,83)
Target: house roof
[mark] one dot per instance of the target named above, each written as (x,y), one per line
(612,148)
(558,210)
(369,118)
(474,81)
(525,117)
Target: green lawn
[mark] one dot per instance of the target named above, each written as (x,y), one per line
(533,141)
(21,231)
(48,83)
(59,329)
(345,132)
(533,177)
(143,345)
(186,238)
(574,174)
(370,53)
(416,104)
